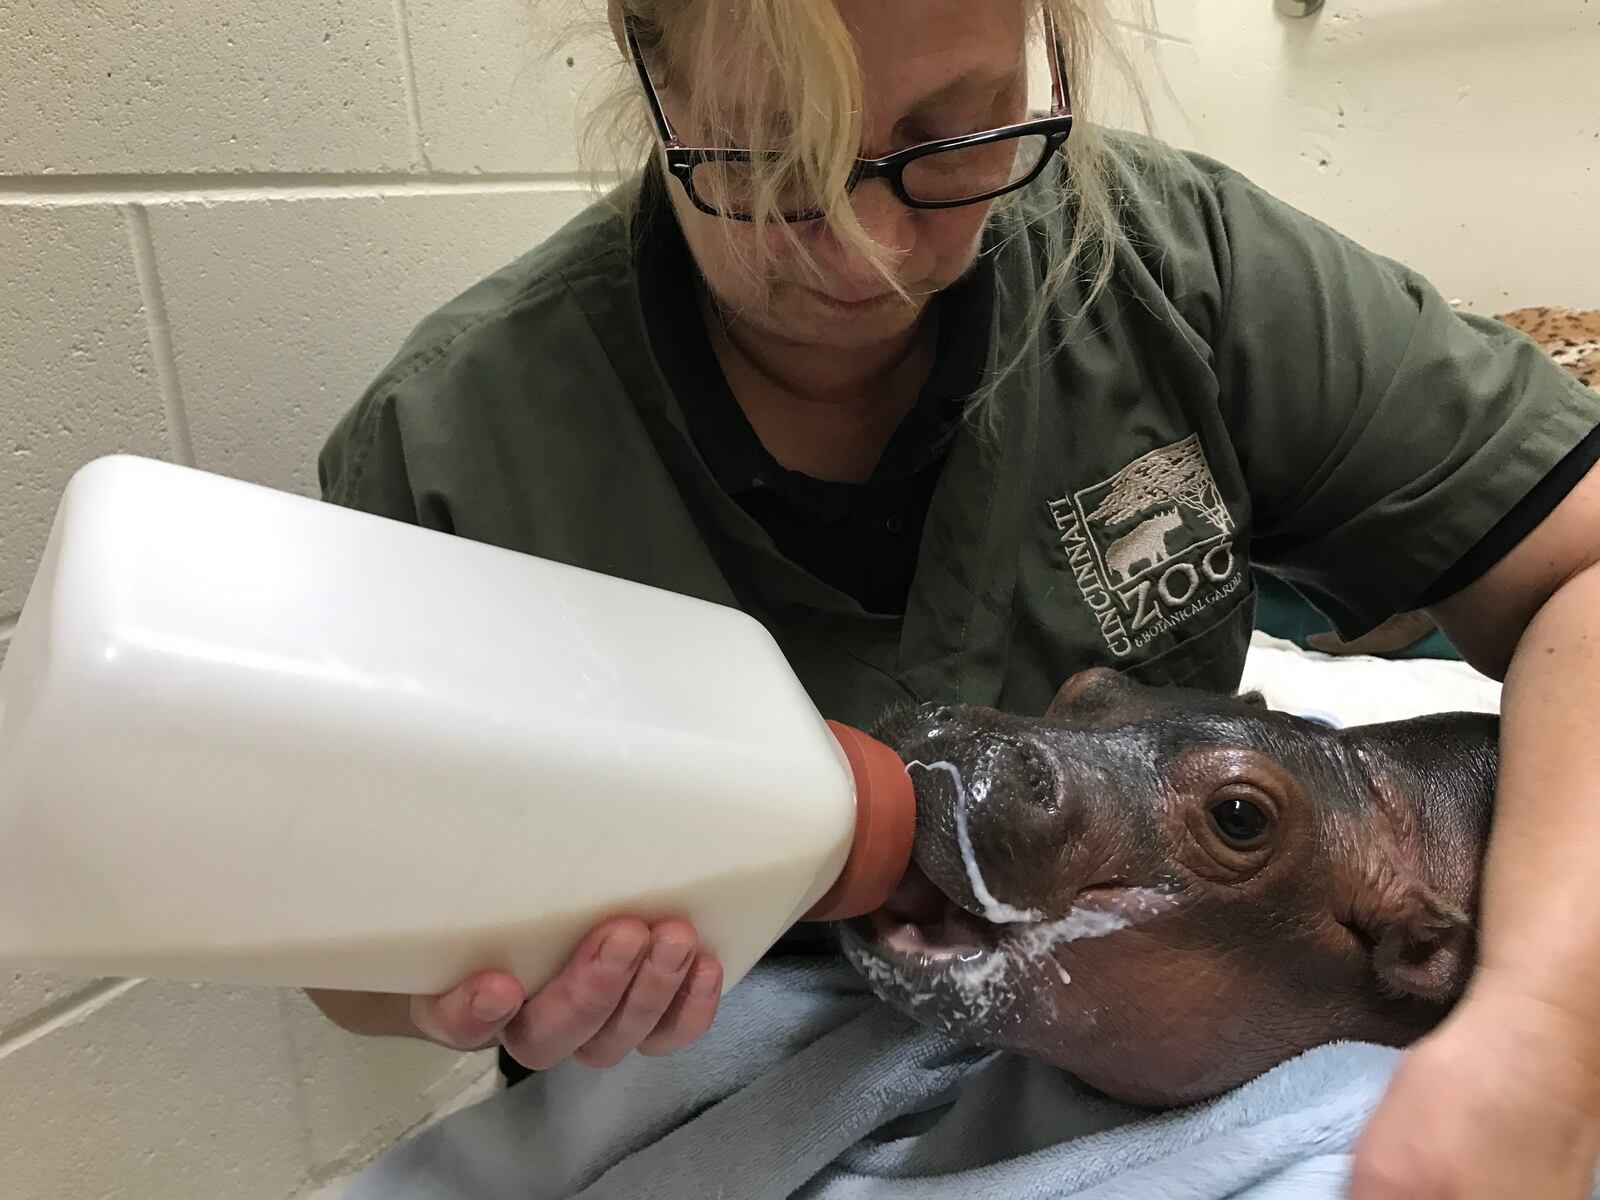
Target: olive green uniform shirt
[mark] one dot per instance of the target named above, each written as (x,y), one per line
(1252,389)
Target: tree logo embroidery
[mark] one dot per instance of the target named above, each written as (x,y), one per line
(1151,546)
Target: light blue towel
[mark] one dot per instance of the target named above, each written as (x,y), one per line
(807,1086)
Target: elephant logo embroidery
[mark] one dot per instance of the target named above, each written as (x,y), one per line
(1151,546)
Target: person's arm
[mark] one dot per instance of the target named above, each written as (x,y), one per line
(371,1014)
(1387,440)
(626,987)
(1504,1099)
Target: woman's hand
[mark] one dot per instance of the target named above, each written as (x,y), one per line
(1502,1100)
(627,987)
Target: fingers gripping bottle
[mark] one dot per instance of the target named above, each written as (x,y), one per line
(250,737)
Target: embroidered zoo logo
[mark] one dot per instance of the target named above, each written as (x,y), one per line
(1151,546)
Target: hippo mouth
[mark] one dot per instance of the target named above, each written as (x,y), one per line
(936,961)
(921,924)
(930,955)
(925,924)
(949,952)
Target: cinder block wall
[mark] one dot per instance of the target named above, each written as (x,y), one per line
(218,220)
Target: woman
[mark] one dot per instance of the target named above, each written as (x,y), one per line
(956,416)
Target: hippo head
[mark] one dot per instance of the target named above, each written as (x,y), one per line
(1168,892)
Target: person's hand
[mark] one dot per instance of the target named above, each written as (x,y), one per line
(1501,1101)
(627,987)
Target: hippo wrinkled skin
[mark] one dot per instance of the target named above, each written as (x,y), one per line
(1167,892)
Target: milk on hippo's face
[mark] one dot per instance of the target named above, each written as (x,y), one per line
(1167,892)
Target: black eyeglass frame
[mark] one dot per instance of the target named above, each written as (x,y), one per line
(1056,128)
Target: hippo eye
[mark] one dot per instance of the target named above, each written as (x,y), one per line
(1242,824)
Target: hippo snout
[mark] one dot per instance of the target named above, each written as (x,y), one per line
(988,799)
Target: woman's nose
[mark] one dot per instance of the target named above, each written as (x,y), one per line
(886,220)
(889,223)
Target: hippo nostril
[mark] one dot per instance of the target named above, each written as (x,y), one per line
(966,797)
(1010,781)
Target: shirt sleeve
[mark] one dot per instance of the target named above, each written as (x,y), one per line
(1382,433)
(363,462)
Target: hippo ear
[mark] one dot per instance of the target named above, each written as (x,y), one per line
(1253,698)
(1413,904)
(1425,950)
(1081,690)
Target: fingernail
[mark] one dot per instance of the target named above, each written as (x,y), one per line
(489,1008)
(619,952)
(704,983)
(670,954)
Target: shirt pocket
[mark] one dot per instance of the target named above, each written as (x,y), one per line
(1210,654)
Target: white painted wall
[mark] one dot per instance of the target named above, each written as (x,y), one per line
(1460,136)
(218,220)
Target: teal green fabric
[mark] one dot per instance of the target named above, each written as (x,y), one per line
(1284,613)
(1251,390)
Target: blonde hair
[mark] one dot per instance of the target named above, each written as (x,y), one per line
(808,118)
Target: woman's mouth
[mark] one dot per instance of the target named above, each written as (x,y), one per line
(849,304)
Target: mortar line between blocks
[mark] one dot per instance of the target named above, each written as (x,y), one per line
(57,1016)
(299,1102)
(160,332)
(408,75)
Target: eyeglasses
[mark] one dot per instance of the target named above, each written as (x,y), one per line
(947,173)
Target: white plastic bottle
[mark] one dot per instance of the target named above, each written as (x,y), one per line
(250,737)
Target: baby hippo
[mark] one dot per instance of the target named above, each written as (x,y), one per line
(1167,892)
